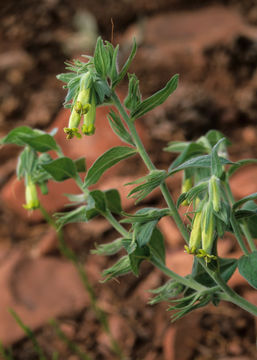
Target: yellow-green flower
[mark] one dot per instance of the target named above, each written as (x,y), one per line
(214,191)
(207,229)
(88,127)
(32,201)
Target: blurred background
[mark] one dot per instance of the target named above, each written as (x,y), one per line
(213,46)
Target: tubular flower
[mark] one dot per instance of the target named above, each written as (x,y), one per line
(214,193)
(81,107)
(32,201)
(88,127)
(196,235)
(186,186)
(207,230)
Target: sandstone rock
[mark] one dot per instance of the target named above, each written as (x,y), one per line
(33,288)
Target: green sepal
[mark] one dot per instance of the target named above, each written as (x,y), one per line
(121,267)
(134,97)
(108,249)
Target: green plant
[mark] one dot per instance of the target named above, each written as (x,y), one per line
(206,171)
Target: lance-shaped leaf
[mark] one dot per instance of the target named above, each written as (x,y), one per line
(169,290)
(105,161)
(151,181)
(216,165)
(251,219)
(145,215)
(247,266)
(119,128)
(193,192)
(101,58)
(126,65)
(41,143)
(203,161)
(190,151)
(244,200)
(156,99)
(61,169)
(36,139)
(239,164)
(176,146)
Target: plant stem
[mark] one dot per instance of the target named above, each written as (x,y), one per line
(231,295)
(248,236)
(68,253)
(150,166)
(236,227)
(116,224)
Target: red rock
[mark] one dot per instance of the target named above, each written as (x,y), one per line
(179,262)
(243,182)
(168,343)
(170,232)
(34,288)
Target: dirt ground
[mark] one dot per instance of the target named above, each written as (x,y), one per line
(213,46)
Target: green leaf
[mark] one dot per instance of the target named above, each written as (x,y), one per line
(61,169)
(41,143)
(193,192)
(26,162)
(157,99)
(247,266)
(157,246)
(101,58)
(126,65)
(239,164)
(251,221)
(105,161)
(203,161)
(137,257)
(216,165)
(176,146)
(113,201)
(213,136)
(66,77)
(145,215)
(102,90)
(121,267)
(143,232)
(151,181)
(244,200)
(80,164)
(129,245)
(14,136)
(96,204)
(191,150)
(119,129)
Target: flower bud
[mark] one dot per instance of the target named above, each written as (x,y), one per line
(32,201)
(214,192)
(187,184)
(88,127)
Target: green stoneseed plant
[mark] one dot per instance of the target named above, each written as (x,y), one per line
(210,208)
